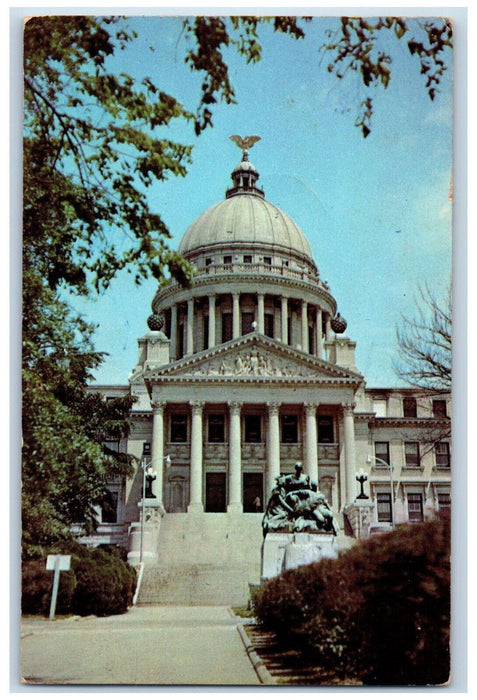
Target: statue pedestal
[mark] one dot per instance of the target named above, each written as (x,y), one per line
(288,550)
(360,517)
(147,532)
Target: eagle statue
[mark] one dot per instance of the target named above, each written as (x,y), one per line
(244,143)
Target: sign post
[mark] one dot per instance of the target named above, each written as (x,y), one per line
(57,563)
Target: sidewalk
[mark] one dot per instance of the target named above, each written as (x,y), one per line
(151,645)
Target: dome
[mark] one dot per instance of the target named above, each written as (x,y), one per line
(245,218)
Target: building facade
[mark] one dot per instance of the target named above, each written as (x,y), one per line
(250,371)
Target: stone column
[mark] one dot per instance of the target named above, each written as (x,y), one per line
(195,504)
(157,449)
(190,327)
(211,320)
(319,336)
(273,448)
(235,459)
(311,442)
(173,331)
(328,327)
(304,326)
(350,453)
(285,320)
(261,313)
(235,315)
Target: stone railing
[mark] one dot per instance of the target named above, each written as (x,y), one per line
(216,451)
(328,451)
(261,270)
(253,450)
(177,451)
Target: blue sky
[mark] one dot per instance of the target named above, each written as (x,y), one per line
(376,211)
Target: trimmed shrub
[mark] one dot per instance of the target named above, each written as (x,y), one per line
(37,587)
(100,582)
(379,613)
(105,584)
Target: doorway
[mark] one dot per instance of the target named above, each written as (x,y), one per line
(252,492)
(215,492)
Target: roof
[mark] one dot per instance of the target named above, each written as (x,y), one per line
(245,219)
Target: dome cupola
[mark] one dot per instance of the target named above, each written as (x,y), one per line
(245,221)
(245,177)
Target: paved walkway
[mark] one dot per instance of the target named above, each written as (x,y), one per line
(152,645)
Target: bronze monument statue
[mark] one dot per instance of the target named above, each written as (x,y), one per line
(296,505)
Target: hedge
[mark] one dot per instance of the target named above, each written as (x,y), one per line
(100,582)
(380,613)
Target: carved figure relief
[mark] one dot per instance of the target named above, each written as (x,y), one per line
(255,364)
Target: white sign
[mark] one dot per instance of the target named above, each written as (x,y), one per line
(63,564)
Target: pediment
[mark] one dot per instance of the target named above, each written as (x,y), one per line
(254,358)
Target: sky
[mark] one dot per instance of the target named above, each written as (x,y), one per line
(375,211)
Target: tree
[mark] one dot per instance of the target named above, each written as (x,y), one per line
(356,45)
(91,149)
(65,468)
(425,344)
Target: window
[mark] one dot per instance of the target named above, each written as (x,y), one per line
(289,429)
(414,507)
(227,259)
(206,332)
(247,259)
(325,429)
(311,340)
(180,340)
(111,445)
(409,405)
(439,409)
(247,320)
(444,503)
(208,261)
(442,455)
(381,451)
(267,260)
(226,327)
(253,428)
(216,426)
(178,427)
(269,325)
(384,507)
(411,451)
(380,408)
(109,508)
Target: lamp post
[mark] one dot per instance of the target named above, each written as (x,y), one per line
(362,477)
(145,466)
(378,460)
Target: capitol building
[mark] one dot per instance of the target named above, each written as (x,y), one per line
(250,371)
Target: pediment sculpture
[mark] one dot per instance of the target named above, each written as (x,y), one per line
(253,363)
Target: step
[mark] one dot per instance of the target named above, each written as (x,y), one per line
(195,585)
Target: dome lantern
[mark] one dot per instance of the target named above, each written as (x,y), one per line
(245,176)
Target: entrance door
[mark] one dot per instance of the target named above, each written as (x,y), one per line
(215,494)
(252,492)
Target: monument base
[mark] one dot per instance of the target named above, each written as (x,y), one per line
(360,516)
(143,536)
(288,550)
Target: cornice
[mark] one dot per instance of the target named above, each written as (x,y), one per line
(165,294)
(414,422)
(335,375)
(141,415)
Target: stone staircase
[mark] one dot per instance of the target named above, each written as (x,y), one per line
(204,559)
(207,559)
